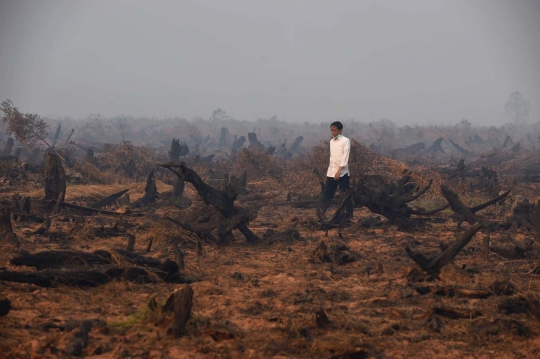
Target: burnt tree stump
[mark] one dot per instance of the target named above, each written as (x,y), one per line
(6,230)
(391,199)
(433,265)
(55,177)
(238,144)
(224,216)
(178,187)
(179,303)
(150,192)
(436,147)
(254,142)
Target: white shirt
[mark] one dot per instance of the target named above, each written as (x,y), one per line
(339,156)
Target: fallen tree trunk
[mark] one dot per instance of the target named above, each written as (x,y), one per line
(59,259)
(433,265)
(92,269)
(88,277)
(468,214)
(226,217)
(109,199)
(95,210)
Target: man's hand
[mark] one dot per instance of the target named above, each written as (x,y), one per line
(336,176)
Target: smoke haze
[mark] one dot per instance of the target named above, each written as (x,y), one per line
(413,62)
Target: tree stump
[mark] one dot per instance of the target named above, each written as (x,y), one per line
(6,230)
(180,303)
(178,187)
(90,156)
(55,177)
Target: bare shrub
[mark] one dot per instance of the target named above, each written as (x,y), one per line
(27,128)
(135,161)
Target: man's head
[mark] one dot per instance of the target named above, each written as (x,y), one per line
(336,128)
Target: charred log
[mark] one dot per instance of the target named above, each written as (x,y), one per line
(461,149)
(226,215)
(436,147)
(465,213)
(433,265)
(109,199)
(390,200)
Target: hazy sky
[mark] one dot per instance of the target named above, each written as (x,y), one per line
(409,61)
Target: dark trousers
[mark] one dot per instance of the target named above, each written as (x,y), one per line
(330,191)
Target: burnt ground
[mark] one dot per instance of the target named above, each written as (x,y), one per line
(265,299)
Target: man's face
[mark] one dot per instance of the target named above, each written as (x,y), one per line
(335,131)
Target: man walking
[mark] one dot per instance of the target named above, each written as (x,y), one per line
(338,169)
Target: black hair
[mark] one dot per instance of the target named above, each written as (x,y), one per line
(337,124)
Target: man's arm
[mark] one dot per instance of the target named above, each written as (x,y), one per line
(344,159)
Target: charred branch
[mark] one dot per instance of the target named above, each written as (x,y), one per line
(433,265)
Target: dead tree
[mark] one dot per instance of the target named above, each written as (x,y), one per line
(238,144)
(174,153)
(224,134)
(254,142)
(224,215)
(391,199)
(433,265)
(55,177)
(6,230)
(296,144)
(465,213)
(462,150)
(435,147)
(109,199)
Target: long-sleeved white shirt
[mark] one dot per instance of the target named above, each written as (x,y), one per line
(339,156)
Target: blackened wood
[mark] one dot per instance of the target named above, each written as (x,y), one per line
(5,307)
(59,259)
(131,243)
(436,147)
(6,230)
(182,304)
(80,339)
(178,187)
(27,205)
(109,199)
(56,135)
(55,177)
(433,265)
(94,210)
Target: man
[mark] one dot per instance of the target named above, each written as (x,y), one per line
(338,169)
